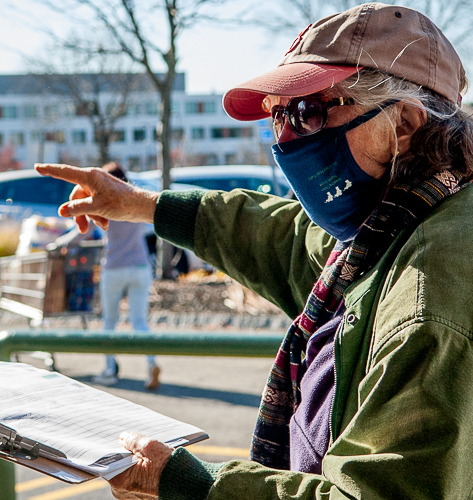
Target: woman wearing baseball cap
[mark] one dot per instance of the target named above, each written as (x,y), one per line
(370,395)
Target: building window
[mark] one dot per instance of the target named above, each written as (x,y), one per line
(231,159)
(37,136)
(139,134)
(69,109)
(151,162)
(211,159)
(231,132)
(151,108)
(250,158)
(17,138)
(8,112)
(210,107)
(118,136)
(177,134)
(199,107)
(51,112)
(220,133)
(79,136)
(133,109)
(88,108)
(175,107)
(30,111)
(198,133)
(115,109)
(57,136)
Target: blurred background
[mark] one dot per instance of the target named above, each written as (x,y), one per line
(86,82)
(141,82)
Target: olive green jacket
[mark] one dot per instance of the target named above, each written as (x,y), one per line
(402,419)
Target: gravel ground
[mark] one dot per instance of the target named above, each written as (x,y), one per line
(206,302)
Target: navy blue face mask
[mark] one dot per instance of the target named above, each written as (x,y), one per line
(333,190)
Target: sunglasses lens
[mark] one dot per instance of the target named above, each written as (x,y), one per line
(306,115)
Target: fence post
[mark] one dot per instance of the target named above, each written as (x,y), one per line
(7,480)
(7,469)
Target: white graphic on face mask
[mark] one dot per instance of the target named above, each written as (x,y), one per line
(338,191)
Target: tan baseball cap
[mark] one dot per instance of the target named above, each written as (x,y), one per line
(401,41)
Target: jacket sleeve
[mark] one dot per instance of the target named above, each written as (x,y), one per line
(265,242)
(188,478)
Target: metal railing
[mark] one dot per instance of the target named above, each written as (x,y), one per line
(235,344)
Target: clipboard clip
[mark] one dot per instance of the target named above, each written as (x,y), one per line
(11,445)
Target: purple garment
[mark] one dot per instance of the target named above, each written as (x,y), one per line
(310,425)
(126,246)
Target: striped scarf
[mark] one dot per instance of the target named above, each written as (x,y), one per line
(404,207)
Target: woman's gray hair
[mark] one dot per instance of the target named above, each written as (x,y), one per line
(445,141)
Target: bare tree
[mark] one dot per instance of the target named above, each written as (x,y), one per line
(144,31)
(99,91)
(87,92)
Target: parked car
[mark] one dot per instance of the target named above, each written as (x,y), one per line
(24,193)
(262,178)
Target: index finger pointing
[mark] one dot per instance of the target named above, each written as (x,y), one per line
(74,175)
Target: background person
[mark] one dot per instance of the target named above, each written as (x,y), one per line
(126,272)
(370,395)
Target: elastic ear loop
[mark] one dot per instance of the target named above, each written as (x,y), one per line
(359,120)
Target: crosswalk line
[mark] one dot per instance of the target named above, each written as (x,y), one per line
(40,482)
(220,451)
(72,491)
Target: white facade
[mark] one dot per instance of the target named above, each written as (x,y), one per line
(38,124)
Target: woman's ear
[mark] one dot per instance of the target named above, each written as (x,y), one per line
(411,117)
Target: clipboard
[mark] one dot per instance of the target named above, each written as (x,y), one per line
(51,468)
(70,430)
(23,451)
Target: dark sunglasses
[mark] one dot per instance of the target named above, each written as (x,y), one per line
(307,115)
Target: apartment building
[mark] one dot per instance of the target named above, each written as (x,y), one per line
(48,118)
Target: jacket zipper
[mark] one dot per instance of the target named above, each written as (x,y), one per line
(336,354)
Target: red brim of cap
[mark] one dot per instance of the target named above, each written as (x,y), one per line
(290,80)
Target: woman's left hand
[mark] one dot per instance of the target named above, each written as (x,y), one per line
(141,481)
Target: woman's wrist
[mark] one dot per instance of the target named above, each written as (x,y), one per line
(145,207)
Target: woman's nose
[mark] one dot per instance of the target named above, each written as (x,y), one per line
(287,134)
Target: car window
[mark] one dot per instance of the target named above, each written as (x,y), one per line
(36,190)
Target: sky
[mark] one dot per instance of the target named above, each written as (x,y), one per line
(214,59)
